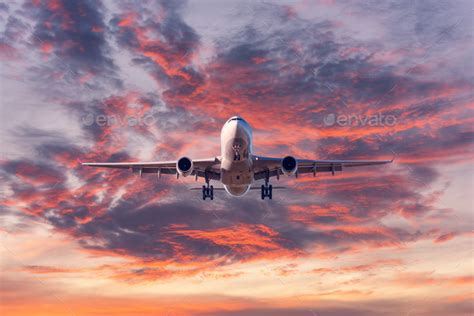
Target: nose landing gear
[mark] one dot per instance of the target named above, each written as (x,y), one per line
(236,148)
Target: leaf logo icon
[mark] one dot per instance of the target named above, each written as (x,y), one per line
(330,119)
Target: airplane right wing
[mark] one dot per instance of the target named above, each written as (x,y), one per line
(201,167)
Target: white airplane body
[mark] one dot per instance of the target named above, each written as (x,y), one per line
(237,167)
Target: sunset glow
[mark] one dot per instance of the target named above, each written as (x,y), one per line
(155,80)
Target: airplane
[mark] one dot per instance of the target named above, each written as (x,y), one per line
(237,167)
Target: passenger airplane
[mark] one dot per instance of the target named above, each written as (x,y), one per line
(237,167)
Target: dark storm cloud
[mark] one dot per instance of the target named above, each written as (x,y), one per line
(13,32)
(14,29)
(167,231)
(162,46)
(419,144)
(423,130)
(123,224)
(265,64)
(35,172)
(244,54)
(4,7)
(423,173)
(71,36)
(423,110)
(155,231)
(301,69)
(50,151)
(107,120)
(73,21)
(419,23)
(146,232)
(291,71)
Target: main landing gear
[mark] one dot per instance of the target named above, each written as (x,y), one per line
(267,191)
(207,190)
(267,188)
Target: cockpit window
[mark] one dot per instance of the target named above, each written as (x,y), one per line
(234,119)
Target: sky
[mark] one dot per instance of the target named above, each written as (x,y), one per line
(156,80)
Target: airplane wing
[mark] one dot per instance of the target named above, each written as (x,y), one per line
(271,167)
(209,166)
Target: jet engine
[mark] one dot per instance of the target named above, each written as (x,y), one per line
(184,166)
(289,165)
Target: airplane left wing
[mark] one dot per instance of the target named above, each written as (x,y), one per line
(201,167)
(271,167)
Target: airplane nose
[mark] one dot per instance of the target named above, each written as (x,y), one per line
(240,127)
(237,127)
(235,124)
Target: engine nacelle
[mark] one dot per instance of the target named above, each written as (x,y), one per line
(184,166)
(289,165)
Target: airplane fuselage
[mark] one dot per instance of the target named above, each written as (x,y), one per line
(236,153)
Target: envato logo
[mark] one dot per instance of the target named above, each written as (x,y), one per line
(360,120)
(111,120)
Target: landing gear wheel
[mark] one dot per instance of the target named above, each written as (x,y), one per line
(207,192)
(267,191)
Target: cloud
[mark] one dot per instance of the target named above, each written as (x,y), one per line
(378,264)
(70,38)
(248,75)
(284,73)
(13,32)
(163,44)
